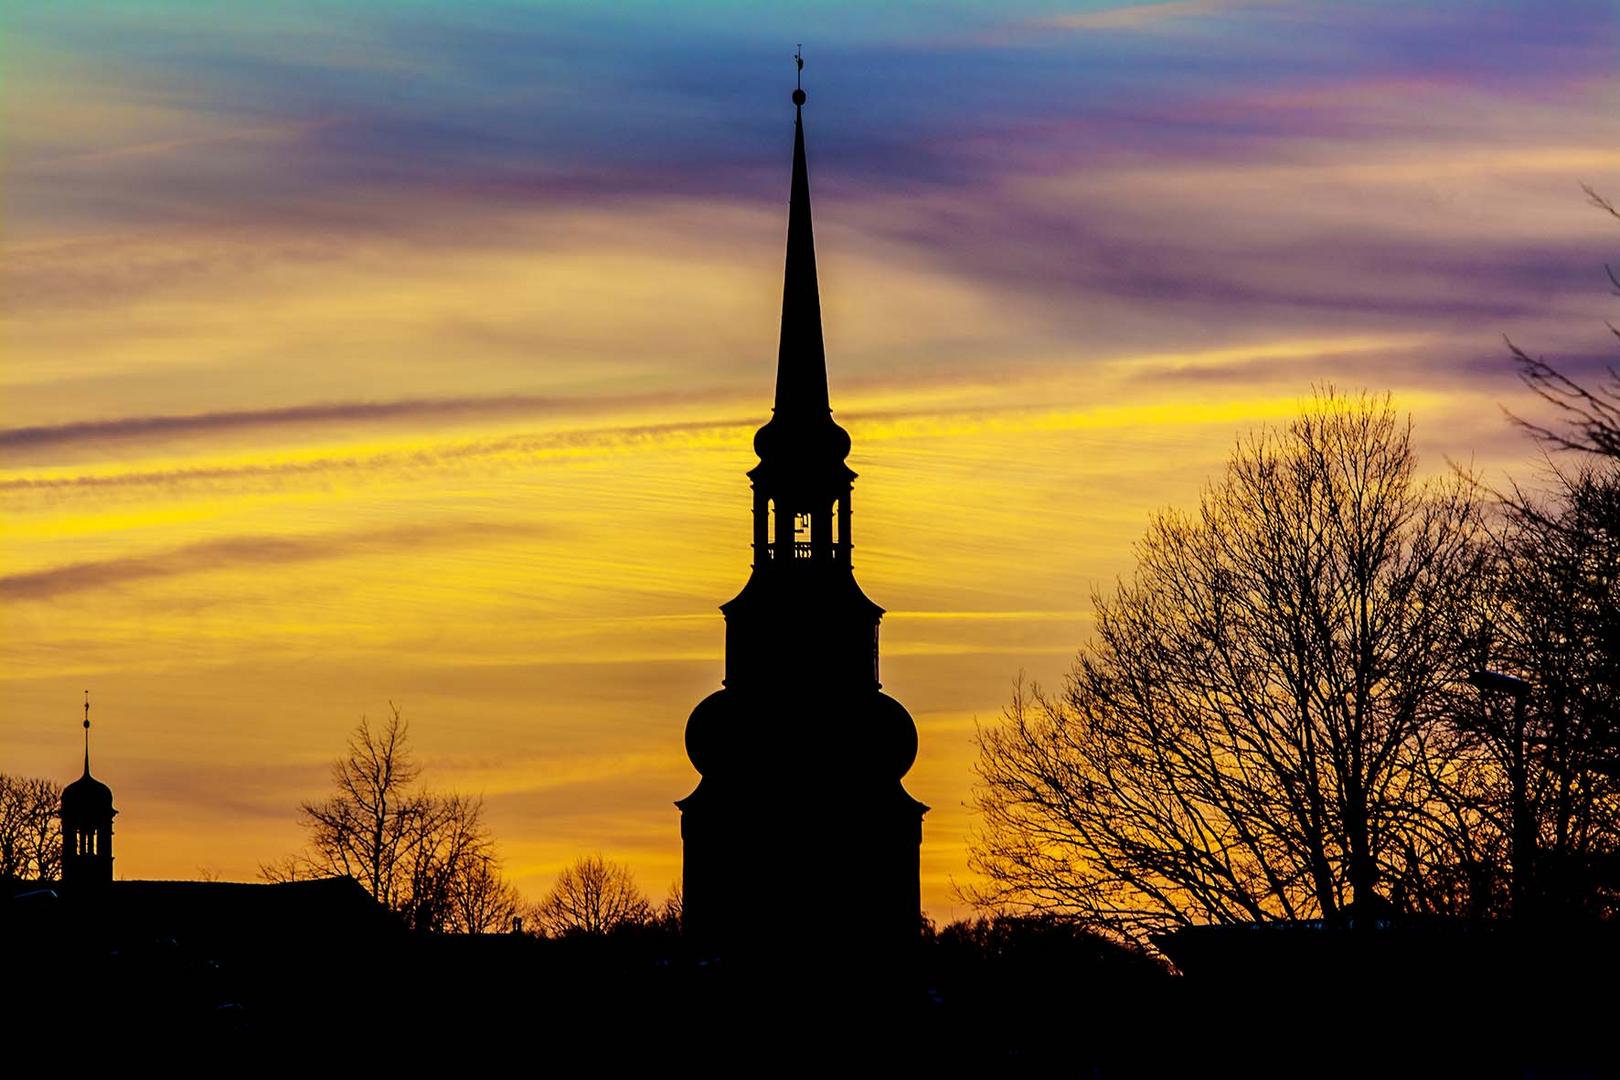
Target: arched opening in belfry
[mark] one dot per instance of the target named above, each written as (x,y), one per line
(835,535)
(801,535)
(770,521)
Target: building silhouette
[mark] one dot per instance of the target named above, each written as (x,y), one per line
(801,754)
(93,962)
(87,819)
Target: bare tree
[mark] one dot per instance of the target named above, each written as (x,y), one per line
(1244,738)
(447,846)
(673,913)
(424,855)
(30,828)
(364,829)
(593,896)
(483,900)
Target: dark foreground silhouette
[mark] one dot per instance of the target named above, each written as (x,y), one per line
(319,971)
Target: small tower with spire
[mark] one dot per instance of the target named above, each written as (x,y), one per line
(87,816)
(802,755)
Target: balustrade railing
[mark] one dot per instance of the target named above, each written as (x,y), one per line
(803,549)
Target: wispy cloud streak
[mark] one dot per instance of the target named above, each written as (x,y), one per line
(190,424)
(241,551)
(435,455)
(1144,16)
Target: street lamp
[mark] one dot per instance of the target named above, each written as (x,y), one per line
(1497,682)
(1524,836)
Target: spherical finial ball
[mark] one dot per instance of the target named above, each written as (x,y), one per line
(798,97)
(87,725)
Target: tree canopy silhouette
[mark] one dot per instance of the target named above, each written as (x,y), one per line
(593,896)
(1245,738)
(425,855)
(30,828)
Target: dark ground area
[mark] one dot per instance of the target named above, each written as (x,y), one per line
(276,982)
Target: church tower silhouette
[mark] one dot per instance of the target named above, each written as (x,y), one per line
(87,823)
(801,803)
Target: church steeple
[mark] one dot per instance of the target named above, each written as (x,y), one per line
(801,751)
(801,358)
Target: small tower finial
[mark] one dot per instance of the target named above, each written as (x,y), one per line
(87,733)
(798,78)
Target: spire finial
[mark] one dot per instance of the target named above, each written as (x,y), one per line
(87,733)
(798,77)
(801,366)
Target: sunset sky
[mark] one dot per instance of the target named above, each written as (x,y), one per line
(371,351)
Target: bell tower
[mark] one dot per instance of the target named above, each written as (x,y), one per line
(801,753)
(87,815)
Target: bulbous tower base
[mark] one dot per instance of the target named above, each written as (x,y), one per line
(791,845)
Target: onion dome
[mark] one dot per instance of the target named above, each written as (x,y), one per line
(87,797)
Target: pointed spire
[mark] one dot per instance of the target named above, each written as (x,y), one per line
(801,361)
(87,733)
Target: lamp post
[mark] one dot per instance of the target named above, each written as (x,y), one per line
(1524,833)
